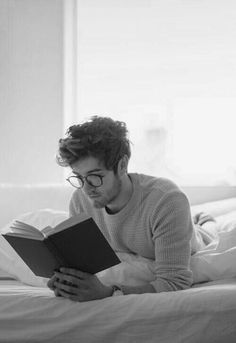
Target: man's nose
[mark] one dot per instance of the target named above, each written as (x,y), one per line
(87,187)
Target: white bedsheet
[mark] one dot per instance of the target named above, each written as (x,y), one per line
(206,313)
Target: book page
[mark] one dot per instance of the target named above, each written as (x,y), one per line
(46,231)
(68,223)
(19,228)
(28,235)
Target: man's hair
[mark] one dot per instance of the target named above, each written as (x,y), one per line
(99,137)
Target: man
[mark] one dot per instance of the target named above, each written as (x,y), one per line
(138,214)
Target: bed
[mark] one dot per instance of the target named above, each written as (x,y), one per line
(29,311)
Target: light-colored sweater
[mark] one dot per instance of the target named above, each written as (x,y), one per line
(156,224)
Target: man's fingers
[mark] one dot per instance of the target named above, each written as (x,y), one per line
(68,279)
(67,288)
(69,296)
(74,272)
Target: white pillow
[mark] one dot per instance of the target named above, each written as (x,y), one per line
(10,261)
(4,275)
(216,261)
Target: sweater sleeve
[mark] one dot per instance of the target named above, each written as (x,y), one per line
(172,231)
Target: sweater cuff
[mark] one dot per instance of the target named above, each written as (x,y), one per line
(164,285)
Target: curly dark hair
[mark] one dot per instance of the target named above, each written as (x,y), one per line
(99,137)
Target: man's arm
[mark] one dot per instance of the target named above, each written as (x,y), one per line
(79,286)
(172,232)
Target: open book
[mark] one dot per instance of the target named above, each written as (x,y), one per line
(77,242)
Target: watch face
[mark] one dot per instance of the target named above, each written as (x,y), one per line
(116,290)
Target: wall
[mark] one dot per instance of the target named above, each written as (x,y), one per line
(31,83)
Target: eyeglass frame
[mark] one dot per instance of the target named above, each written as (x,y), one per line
(83,179)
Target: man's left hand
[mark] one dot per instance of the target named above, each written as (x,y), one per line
(79,286)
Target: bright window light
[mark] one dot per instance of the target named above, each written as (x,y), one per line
(204,139)
(166,68)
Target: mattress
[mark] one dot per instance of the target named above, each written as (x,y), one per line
(204,313)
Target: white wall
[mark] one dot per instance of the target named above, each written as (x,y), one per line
(31,96)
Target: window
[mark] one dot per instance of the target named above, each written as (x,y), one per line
(166,68)
(203,140)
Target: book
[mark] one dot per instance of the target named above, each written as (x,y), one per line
(77,242)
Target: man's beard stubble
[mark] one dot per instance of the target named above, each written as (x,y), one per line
(104,201)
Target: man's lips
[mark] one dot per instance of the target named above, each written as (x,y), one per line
(93,195)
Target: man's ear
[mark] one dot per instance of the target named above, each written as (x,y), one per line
(123,165)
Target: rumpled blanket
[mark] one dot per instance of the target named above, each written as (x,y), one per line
(215,259)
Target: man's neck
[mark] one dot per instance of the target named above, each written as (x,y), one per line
(125,195)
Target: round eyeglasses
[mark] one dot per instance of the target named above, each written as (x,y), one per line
(78,181)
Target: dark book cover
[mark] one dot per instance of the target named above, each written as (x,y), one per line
(81,246)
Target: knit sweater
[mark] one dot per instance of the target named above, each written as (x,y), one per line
(156,224)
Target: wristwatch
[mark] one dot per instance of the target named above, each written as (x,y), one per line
(116,290)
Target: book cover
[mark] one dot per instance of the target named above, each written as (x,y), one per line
(81,246)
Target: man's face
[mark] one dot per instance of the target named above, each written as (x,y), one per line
(110,189)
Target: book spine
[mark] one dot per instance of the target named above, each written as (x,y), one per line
(51,246)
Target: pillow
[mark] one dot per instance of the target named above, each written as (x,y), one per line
(216,261)
(225,222)
(216,208)
(213,262)
(10,261)
(5,275)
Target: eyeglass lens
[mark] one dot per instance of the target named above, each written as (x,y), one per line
(92,180)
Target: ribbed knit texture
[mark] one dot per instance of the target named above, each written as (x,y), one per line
(156,224)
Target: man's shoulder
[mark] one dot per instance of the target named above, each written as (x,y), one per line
(157,190)
(152,183)
(161,195)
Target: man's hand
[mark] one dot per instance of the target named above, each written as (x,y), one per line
(202,217)
(78,286)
